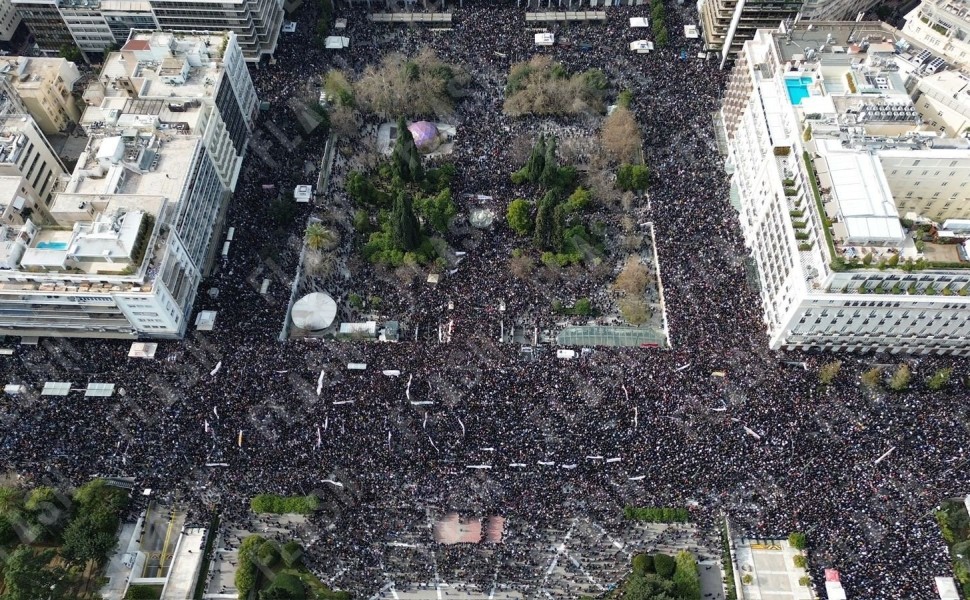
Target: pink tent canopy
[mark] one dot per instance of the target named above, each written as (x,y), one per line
(425,134)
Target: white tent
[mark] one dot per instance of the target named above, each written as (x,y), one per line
(142,350)
(336,42)
(314,312)
(545,39)
(641,46)
(690,32)
(303,193)
(206,320)
(639,22)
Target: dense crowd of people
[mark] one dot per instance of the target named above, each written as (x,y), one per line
(765,445)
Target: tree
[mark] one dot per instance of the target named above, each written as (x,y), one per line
(10,499)
(662,37)
(25,576)
(687,578)
(634,311)
(544,221)
(40,498)
(634,277)
(292,553)
(550,165)
(648,587)
(405,159)
(70,53)
(632,177)
(90,536)
(423,85)
(319,237)
(620,136)
(872,378)
(519,216)
(360,188)
(285,587)
(900,379)
(437,210)
(246,573)
(578,200)
(268,554)
(664,565)
(405,230)
(643,563)
(338,89)
(939,379)
(537,160)
(829,372)
(798,540)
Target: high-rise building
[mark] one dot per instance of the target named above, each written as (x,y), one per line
(135,227)
(855,210)
(97,26)
(44,87)
(727,24)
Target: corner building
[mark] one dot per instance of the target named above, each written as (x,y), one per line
(135,227)
(854,208)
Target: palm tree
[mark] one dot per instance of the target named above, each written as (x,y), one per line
(319,237)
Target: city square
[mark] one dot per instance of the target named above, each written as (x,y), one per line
(472,418)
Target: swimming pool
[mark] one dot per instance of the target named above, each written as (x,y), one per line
(798,88)
(52,245)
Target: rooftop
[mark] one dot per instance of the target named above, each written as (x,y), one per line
(158,73)
(13,138)
(34,72)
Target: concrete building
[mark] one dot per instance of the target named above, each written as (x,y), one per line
(943,101)
(256,23)
(136,225)
(44,86)
(46,24)
(25,152)
(727,24)
(98,26)
(942,26)
(853,207)
(13,32)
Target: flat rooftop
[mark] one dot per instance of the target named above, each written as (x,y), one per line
(136,166)
(165,65)
(833,39)
(861,193)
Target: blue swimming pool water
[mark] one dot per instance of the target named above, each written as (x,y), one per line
(797,88)
(52,245)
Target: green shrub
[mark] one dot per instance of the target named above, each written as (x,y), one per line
(798,540)
(656,515)
(805,581)
(268,554)
(800,561)
(664,565)
(643,563)
(271,503)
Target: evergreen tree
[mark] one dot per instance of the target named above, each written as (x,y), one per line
(558,238)
(407,234)
(536,162)
(405,158)
(545,221)
(550,168)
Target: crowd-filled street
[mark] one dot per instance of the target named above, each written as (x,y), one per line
(766,445)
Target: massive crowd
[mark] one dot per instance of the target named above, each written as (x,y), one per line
(765,445)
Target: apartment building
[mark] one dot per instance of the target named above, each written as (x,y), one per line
(25,152)
(853,208)
(96,26)
(44,87)
(135,227)
(942,26)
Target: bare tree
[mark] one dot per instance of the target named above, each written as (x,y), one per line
(634,277)
(344,121)
(620,136)
(400,86)
(634,310)
(521,266)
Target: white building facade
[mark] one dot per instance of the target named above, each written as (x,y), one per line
(821,188)
(137,223)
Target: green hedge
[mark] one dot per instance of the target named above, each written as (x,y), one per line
(270,503)
(656,515)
